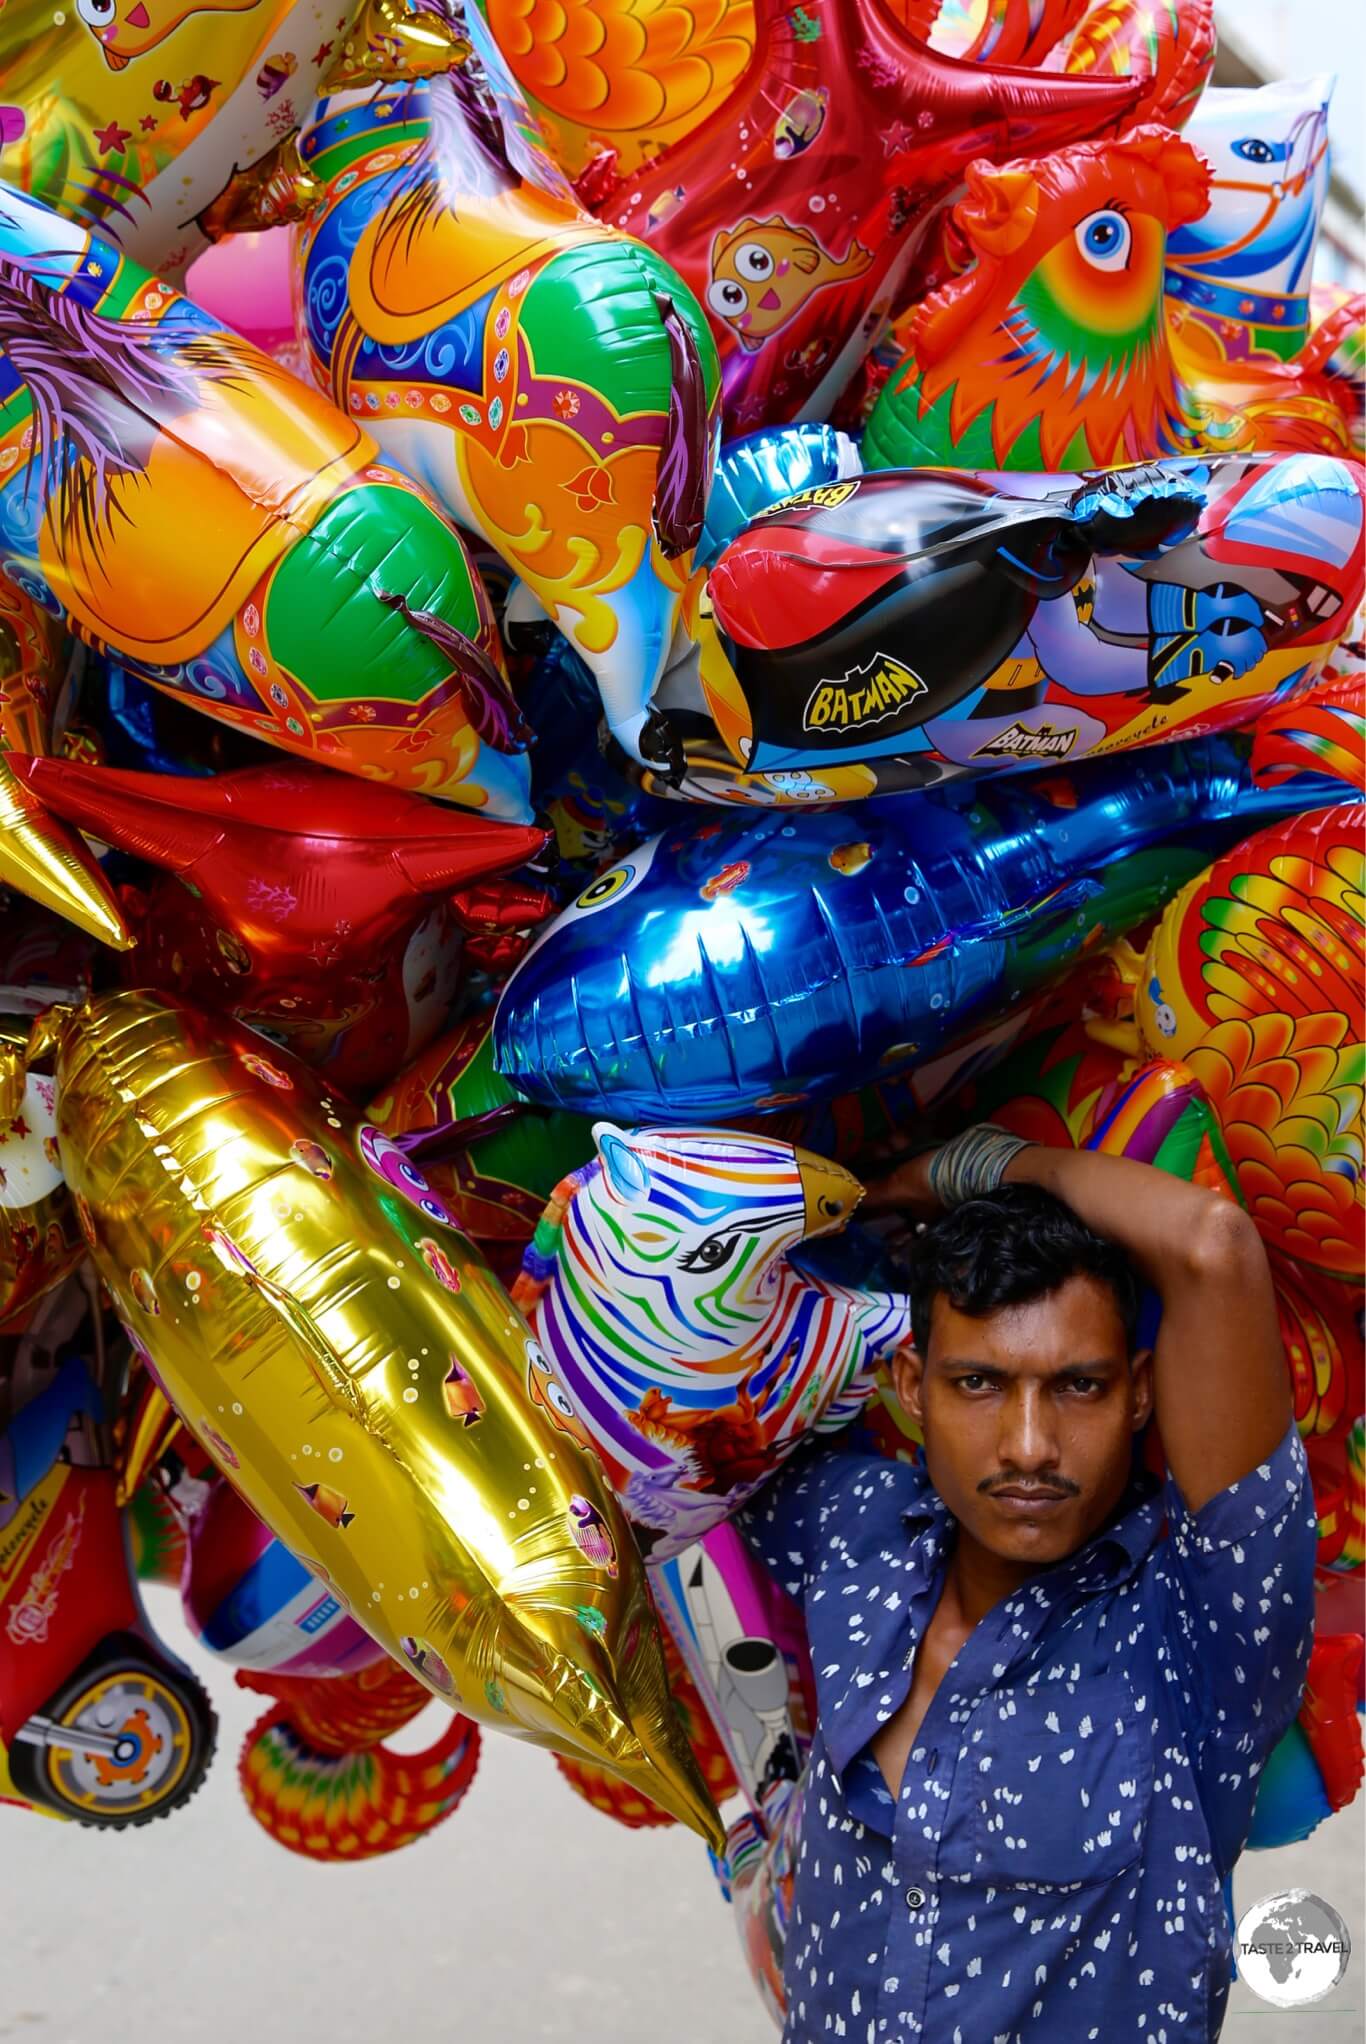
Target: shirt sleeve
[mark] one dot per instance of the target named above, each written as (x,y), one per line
(773,1525)
(1236,1612)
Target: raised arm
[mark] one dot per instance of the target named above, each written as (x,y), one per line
(1220,1384)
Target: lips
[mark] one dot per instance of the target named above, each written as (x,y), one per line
(1028,1500)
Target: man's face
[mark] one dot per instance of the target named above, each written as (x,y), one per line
(1039,1398)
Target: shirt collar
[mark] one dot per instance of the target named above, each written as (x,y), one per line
(1112,1552)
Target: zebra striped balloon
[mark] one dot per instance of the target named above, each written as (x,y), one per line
(676,1336)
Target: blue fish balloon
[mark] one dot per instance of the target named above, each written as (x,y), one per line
(745,963)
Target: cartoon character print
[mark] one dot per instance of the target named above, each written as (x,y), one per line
(439,1264)
(124,32)
(546,1391)
(389,1162)
(592,1535)
(1164,1015)
(763,272)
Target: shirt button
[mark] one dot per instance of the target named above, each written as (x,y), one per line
(915,1898)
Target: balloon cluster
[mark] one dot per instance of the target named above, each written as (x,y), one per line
(452,955)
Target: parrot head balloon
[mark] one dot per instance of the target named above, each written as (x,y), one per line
(346,1357)
(1054,350)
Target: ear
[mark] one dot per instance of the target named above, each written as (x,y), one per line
(624,1172)
(805,259)
(1000,209)
(1141,1367)
(908,1379)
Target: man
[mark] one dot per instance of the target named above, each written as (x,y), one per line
(1046,1685)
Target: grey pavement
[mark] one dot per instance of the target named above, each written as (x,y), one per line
(527,1916)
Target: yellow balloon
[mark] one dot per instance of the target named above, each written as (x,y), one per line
(40,857)
(136,118)
(352,1364)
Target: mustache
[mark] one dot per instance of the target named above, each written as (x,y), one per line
(1055,1486)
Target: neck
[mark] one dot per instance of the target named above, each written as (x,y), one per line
(979,1580)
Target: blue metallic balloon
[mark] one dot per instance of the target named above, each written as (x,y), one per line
(754,474)
(743,963)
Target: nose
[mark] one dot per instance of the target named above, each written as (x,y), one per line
(1028,1440)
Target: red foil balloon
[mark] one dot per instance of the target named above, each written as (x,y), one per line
(316,907)
(793,210)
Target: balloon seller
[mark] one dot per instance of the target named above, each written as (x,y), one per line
(608,617)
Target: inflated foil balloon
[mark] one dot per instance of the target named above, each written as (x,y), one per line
(737,965)
(1238,275)
(1171,50)
(322,909)
(347,1359)
(553,382)
(494,1163)
(1171,47)
(890,631)
(759,471)
(744,1642)
(249,1601)
(318,1779)
(1255,979)
(622,79)
(1321,730)
(39,857)
(793,209)
(39,1239)
(175,496)
(678,1338)
(136,114)
(1053,349)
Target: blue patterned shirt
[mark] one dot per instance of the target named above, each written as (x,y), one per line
(1083,1779)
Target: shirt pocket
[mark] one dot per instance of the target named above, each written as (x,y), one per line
(1061,1781)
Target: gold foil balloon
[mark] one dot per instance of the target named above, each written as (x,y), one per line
(355,1368)
(39,856)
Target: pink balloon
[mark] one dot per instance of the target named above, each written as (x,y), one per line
(244,280)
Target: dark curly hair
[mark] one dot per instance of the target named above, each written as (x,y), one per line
(1017,1243)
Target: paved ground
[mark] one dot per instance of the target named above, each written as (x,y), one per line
(528,1917)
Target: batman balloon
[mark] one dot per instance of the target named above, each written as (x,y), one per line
(871,634)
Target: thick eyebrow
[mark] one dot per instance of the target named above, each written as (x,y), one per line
(1096,1369)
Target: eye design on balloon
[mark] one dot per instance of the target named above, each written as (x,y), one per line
(1252,149)
(1105,240)
(754,262)
(605,887)
(727,298)
(712,1254)
(96,13)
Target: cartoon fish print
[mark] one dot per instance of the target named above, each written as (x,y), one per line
(328,1503)
(462,1399)
(726,881)
(853,858)
(764,271)
(124,33)
(592,1535)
